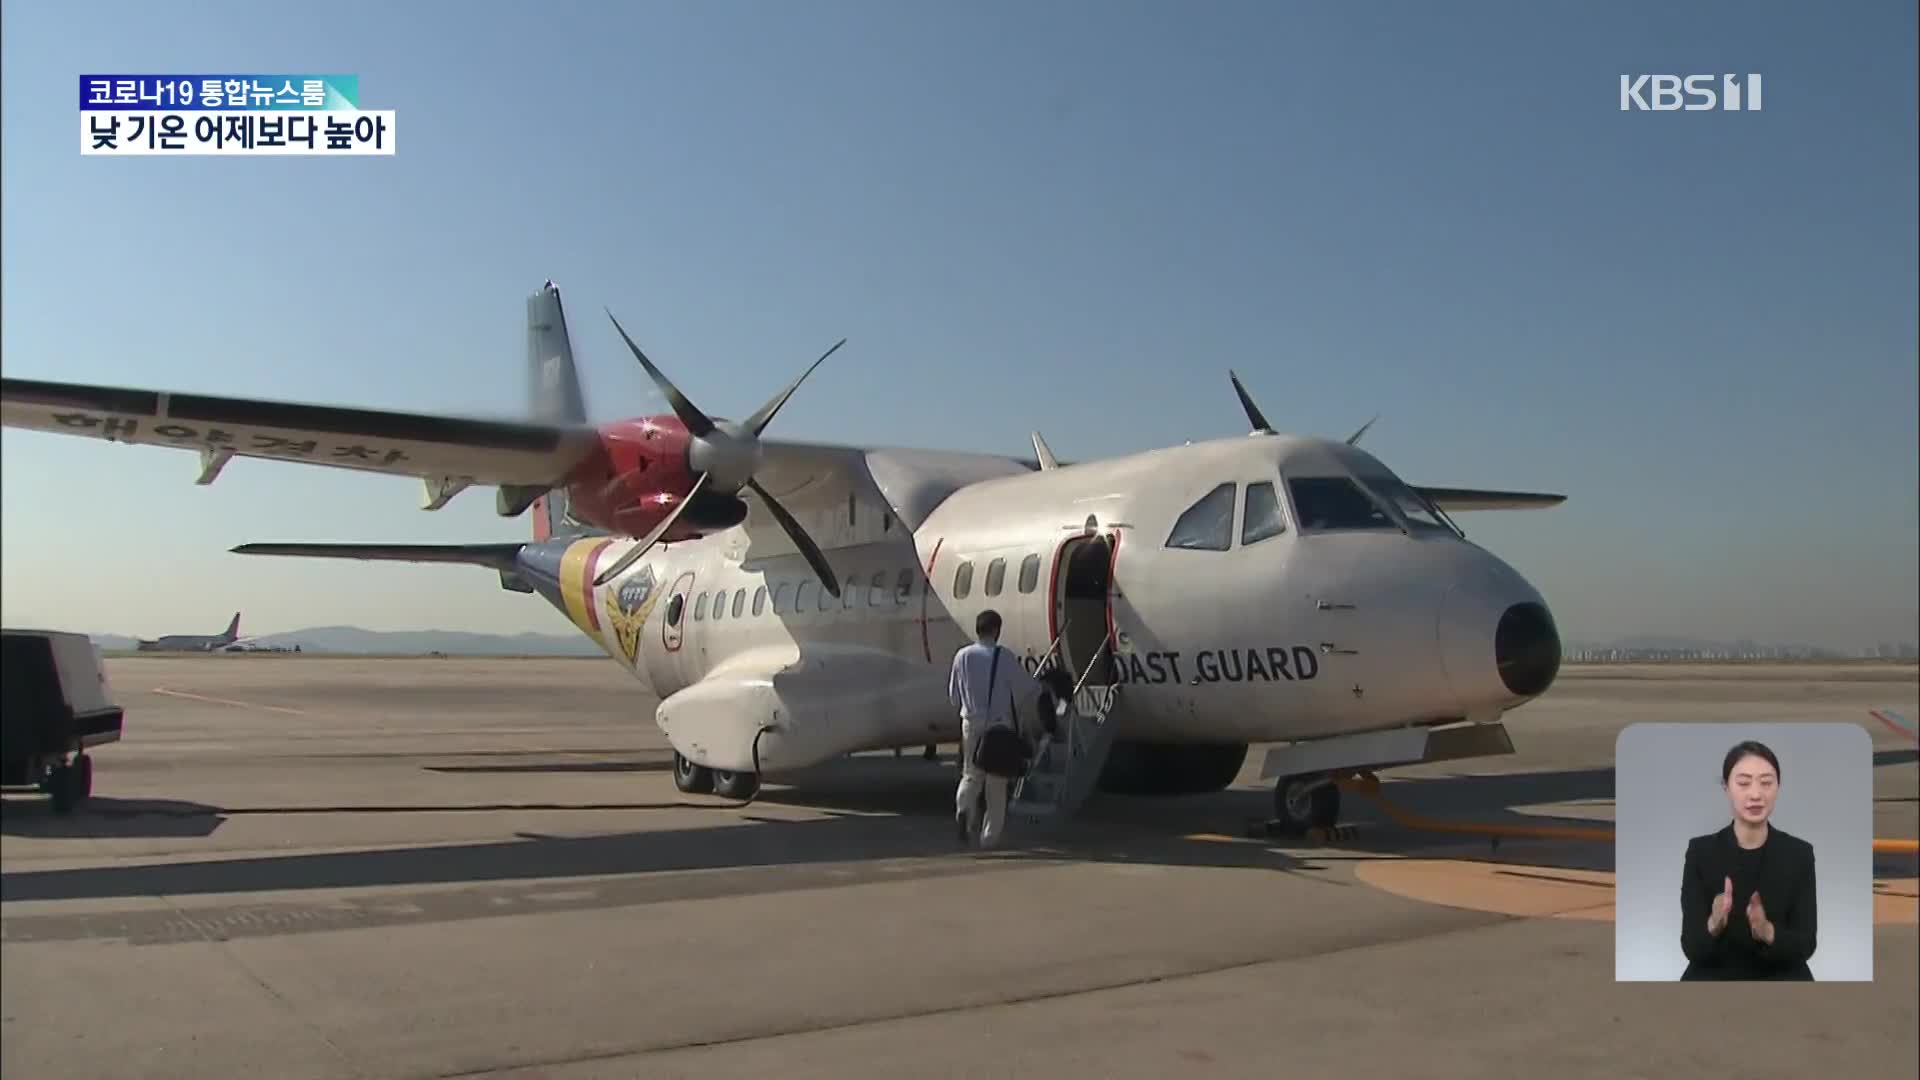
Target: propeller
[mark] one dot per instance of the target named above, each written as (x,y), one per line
(724,456)
(1259,420)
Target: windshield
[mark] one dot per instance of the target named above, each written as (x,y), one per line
(1420,514)
(1335,502)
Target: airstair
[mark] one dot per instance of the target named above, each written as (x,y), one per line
(1067,765)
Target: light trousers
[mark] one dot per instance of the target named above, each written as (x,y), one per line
(972,783)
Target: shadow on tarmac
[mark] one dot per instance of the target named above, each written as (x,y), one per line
(876,808)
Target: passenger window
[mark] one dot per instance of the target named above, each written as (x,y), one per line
(676,607)
(903,589)
(760,601)
(1335,502)
(877,594)
(850,592)
(826,598)
(700,608)
(801,594)
(1207,525)
(739,601)
(1263,517)
(963,581)
(1029,573)
(996,576)
(720,604)
(780,598)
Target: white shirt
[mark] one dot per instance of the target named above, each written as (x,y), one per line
(967,685)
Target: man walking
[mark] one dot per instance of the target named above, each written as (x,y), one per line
(986,683)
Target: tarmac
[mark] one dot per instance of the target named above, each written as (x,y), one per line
(301,867)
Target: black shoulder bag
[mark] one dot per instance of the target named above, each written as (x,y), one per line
(1002,751)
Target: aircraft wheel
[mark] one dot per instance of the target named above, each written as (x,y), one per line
(1306,802)
(691,778)
(735,785)
(60,785)
(83,777)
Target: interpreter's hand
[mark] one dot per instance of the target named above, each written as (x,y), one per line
(1722,908)
(1757,920)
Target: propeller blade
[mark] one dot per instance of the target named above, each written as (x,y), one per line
(763,416)
(697,422)
(1246,402)
(1354,439)
(635,552)
(800,538)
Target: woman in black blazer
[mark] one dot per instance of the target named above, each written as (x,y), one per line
(1747,894)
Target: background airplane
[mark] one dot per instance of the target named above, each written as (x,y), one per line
(196,642)
(1239,590)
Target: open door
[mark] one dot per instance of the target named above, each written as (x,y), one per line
(1083,605)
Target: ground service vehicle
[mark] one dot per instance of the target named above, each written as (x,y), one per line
(55,705)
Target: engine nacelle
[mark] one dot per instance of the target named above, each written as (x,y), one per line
(636,478)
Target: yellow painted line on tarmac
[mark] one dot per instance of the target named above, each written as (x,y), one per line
(227,701)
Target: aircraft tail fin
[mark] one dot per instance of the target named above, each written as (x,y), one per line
(233,628)
(555,396)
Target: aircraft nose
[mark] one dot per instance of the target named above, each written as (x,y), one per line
(1498,641)
(1526,649)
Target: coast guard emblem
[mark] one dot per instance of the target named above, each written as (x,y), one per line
(628,606)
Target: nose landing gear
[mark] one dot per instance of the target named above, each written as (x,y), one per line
(1304,803)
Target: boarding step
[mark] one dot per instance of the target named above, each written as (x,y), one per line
(1067,765)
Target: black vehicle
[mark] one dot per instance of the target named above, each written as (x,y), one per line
(55,705)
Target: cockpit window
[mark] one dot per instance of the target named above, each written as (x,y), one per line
(1207,525)
(1263,517)
(1335,502)
(1419,514)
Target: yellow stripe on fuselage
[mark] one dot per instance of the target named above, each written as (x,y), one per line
(576,587)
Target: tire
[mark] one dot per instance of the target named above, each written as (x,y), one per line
(690,778)
(61,786)
(1296,809)
(83,778)
(735,785)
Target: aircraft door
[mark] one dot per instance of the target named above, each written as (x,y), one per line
(665,663)
(1082,608)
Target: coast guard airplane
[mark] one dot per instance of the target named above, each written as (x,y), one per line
(1181,603)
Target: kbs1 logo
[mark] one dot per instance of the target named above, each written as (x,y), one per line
(1689,93)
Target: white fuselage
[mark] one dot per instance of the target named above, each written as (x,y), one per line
(1344,618)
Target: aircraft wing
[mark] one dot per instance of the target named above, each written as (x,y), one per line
(434,448)
(1452,499)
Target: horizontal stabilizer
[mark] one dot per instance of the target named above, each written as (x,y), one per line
(1452,499)
(501,557)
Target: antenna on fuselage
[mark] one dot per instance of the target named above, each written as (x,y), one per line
(1259,419)
(1254,416)
(1043,453)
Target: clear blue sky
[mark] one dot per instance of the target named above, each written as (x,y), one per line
(1700,326)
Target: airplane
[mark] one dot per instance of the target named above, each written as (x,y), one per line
(1179,603)
(195,642)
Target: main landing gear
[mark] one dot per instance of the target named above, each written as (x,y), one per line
(700,780)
